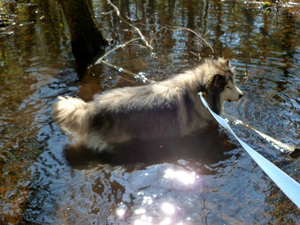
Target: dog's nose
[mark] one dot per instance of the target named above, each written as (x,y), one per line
(240,96)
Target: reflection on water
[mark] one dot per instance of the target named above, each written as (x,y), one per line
(166,210)
(202,179)
(182,176)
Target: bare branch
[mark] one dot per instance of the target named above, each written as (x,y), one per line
(114,49)
(192,31)
(115,7)
(122,70)
(293,151)
(130,24)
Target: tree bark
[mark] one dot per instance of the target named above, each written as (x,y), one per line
(86,39)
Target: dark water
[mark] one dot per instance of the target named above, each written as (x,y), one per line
(202,179)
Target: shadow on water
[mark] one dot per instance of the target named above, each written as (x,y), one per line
(206,147)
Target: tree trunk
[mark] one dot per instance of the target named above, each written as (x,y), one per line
(86,39)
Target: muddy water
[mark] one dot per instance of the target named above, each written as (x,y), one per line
(203,179)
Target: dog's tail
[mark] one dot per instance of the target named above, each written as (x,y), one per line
(73,115)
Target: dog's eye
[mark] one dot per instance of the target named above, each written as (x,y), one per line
(228,87)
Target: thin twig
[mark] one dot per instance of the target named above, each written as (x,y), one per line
(175,28)
(133,75)
(114,49)
(106,13)
(248,75)
(130,24)
(192,31)
(139,45)
(115,7)
(197,55)
(154,35)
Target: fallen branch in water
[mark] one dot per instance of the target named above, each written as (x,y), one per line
(122,70)
(134,75)
(114,49)
(292,151)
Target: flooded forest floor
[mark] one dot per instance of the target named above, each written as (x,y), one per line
(201,179)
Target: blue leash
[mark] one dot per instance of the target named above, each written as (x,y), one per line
(288,185)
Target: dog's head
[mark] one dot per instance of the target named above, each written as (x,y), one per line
(219,84)
(222,81)
(224,87)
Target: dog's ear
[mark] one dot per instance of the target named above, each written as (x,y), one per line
(218,81)
(225,62)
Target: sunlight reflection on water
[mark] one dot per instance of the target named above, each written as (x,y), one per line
(121,212)
(143,221)
(168,208)
(182,176)
(165,212)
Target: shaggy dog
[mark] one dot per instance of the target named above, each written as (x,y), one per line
(168,108)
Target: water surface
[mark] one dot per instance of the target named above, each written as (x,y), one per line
(202,179)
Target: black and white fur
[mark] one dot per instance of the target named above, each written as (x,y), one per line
(168,108)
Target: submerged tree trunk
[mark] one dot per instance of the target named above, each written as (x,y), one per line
(87,40)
